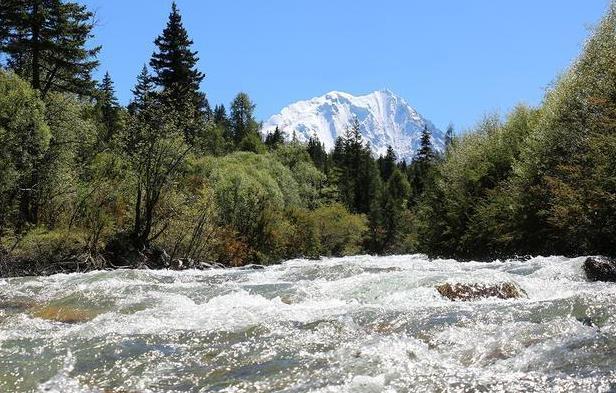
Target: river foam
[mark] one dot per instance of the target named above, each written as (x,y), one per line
(355,324)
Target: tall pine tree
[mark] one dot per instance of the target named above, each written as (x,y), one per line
(220,115)
(142,92)
(420,170)
(387,164)
(242,119)
(108,107)
(317,152)
(175,69)
(426,151)
(44,42)
(449,136)
(273,139)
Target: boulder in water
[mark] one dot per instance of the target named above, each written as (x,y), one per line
(467,292)
(252,266)
(64,314)
(600,269)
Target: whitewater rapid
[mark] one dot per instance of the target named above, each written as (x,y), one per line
(356,324)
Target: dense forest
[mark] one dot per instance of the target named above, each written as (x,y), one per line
(171,181)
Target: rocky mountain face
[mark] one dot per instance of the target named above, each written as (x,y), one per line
(385,119)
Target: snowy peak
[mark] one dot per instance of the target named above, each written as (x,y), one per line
(385,118)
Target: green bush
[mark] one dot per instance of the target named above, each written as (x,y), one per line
(341,232)
(24,139)
(41,245)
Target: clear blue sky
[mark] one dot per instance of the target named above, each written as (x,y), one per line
(452,60)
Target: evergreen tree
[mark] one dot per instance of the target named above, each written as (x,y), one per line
(220,115)
(142,92)
(272,140)
(356,171)
(317,152)
(175,68)
(449,136)
(242,118)
(45,43)
(109,109)
(396,191)
(387,164)
(420,171)
(425,154)
(222,126)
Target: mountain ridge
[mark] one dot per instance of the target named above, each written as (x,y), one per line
(385,119)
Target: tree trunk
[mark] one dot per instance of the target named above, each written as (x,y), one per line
(36,38)
(137,228)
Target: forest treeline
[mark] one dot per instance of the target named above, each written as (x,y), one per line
(88,183)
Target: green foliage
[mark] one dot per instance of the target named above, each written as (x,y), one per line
(355,170)
(242,122)
(45,42)
(103,201)
(24,140)
(192,231)
(309,179)
(457,211)
(78,177)
(244,183)
(543,181)
(274,139)
(341,233)
(73,143)
(175,67)
(561,186)
(317,153)
(108,109)
(252,143)
(143,92)
(155,146)
(46,246)
(387,164)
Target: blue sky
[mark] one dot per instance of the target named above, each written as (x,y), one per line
(454,61)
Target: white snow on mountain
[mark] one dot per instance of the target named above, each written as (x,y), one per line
(385,119)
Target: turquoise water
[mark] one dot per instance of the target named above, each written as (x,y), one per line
(357,324)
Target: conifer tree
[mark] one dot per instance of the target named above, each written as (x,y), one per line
(142,92)
(220,115)
(175,69)
(396,192)
(357,174)
(317,152)
(109,108)
(44,42)
(426,151)
(449,136)
(222,125)
(272,140)
(242,118)
(387,164)
(421,167)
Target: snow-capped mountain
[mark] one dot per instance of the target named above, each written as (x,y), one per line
(385,119)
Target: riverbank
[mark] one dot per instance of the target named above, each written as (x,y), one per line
(154,258)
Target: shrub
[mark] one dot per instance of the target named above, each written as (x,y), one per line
(41,245)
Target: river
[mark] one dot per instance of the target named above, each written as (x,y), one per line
(355,324)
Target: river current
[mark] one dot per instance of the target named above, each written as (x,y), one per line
(355,324)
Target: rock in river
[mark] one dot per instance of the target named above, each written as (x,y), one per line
(467,292)
(600,269)
(64,314)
